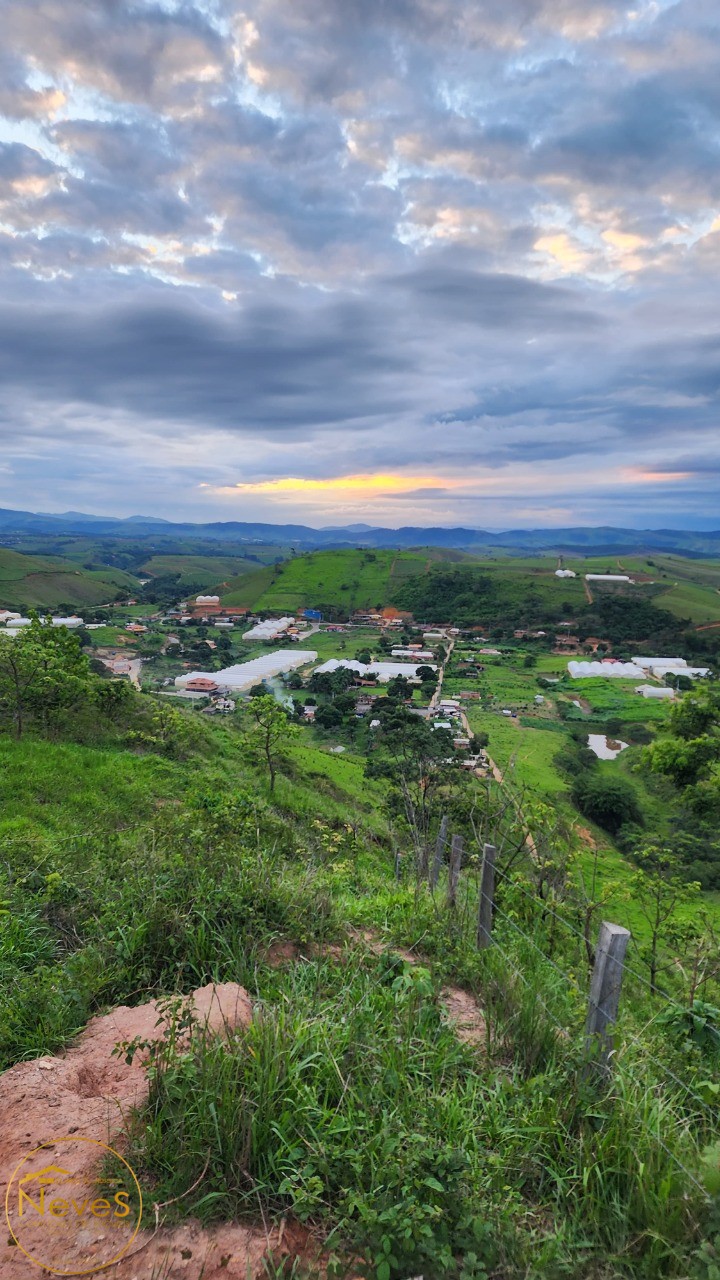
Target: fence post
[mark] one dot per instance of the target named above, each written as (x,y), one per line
(487,897)
(456,853)
(605,988)
(439,850)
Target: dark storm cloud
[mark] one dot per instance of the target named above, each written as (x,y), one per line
(496,301)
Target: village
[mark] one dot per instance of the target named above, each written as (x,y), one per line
(497,699)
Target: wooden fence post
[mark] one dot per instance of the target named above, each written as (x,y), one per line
(605,988)
(439,850)
(487,897)
(456,853)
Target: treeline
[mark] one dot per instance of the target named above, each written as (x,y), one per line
(468,597)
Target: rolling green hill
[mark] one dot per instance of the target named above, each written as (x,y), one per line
(28,582)
(194,569)
(343,580)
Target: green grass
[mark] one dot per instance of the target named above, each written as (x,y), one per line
(28,582)
(212,570)
(526,752)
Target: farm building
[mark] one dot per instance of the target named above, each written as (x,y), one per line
(270,629)
(410,652)
(207,599)
(661,667)
(6,615)
(608,577)
(381,671)
(655,691)
(244,675)
(613,670)
(565,573)
(71,622)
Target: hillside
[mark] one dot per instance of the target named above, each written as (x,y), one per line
(398,1092)
(335,580)
(192,569)
(28,582)
(440,585)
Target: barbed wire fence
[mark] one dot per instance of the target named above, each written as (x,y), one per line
(604,1046)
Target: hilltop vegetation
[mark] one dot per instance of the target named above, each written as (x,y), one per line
(28,582)
(336,582)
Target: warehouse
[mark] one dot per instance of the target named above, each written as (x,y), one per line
(245,674)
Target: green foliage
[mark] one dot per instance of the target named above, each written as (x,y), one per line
(268,733)
(611,801)
(43,675)
(326,1106)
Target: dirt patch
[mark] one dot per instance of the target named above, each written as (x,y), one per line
(465,1015)
(378,948)
(587,837)
(88,1093)
(279,953)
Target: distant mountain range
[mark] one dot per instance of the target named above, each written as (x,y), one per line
(594,540)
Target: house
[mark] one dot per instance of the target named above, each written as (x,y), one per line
(201,684)
(135,628)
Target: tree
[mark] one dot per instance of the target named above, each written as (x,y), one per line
(269,732)
(328,717)
(399,688)
(609,801)
(42,671)
(684,760)
(659,890)
(419,763)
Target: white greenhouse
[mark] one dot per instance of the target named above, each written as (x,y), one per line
(269,629)
(245,674)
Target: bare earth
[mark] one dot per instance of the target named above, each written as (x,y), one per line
(87,1093)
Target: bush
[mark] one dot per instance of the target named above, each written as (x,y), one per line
(611,802)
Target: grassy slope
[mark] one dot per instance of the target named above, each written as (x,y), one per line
(349,579)
(195,568)
(41,582)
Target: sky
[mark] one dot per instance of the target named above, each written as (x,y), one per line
(438,262)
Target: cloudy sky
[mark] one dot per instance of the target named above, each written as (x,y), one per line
(393,261)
